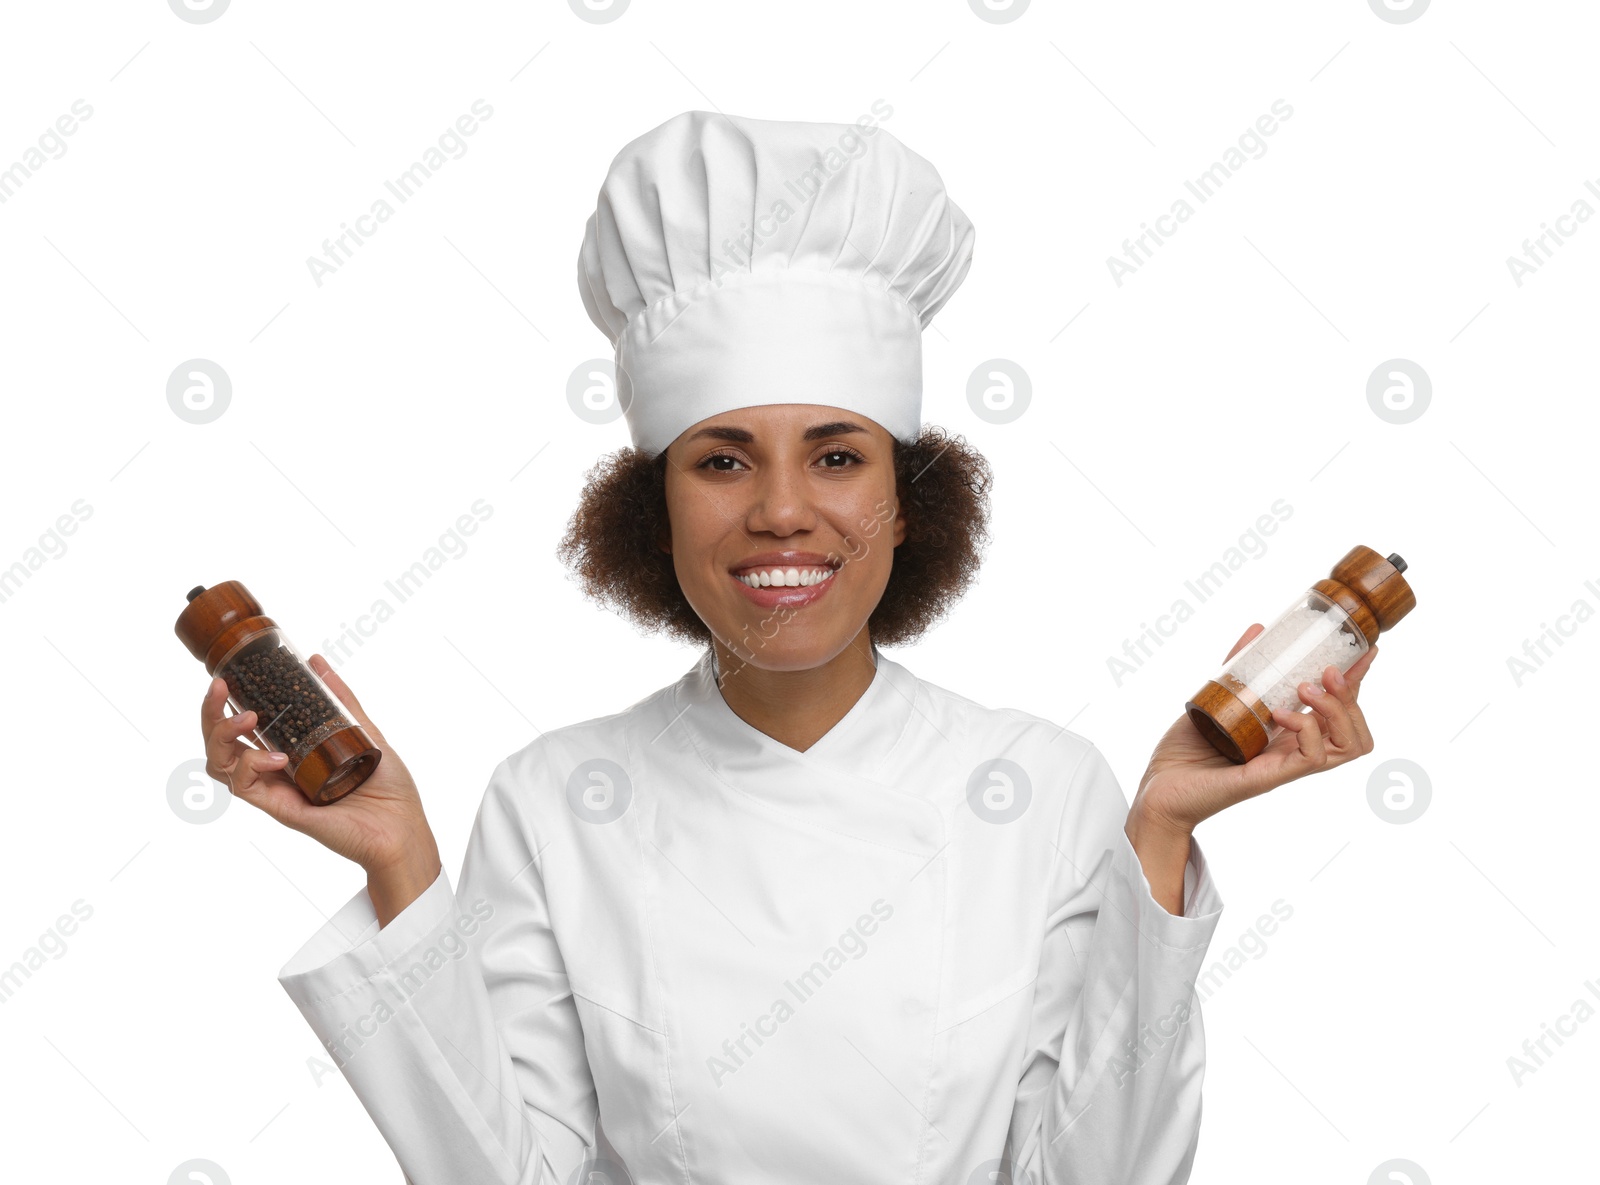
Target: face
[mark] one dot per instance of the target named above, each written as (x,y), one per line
(797,500)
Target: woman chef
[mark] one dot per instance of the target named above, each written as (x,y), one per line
(800,916)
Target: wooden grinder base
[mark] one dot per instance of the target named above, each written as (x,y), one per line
(1228,722)
(337,766)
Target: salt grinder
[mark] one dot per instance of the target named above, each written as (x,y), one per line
(296,712)
(1333,624)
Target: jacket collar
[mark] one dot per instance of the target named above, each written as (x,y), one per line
(857,778)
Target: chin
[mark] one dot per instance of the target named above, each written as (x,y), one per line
(777,644)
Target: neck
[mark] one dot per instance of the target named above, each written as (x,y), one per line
(796,708)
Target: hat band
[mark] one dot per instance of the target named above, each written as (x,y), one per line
(752,339)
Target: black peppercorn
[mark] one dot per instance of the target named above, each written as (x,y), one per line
(292,715)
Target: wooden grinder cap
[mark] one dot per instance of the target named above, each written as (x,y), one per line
(217,619)
(1369,587)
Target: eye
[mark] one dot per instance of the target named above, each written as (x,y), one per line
(841,451)
(707,462)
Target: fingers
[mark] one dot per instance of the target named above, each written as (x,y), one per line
(1360,667)
(1343,691)
(235,752)
(255,775)
(1334,711)
(253,780)
(1308,735)
(253,765)
(340,688)
(223,747)
(212,704)
(1334,731)
(1245,639)
(249,773)
(1335,715)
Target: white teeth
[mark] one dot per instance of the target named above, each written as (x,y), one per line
(786,577)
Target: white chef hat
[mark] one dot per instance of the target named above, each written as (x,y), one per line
(736,262)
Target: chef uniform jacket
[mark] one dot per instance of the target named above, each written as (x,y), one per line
(917,949)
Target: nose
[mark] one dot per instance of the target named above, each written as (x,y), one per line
(780,501)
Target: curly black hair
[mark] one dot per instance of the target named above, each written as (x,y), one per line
(943,487)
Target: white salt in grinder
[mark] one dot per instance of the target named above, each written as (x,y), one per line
(1333,624)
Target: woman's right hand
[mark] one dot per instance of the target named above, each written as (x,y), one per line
(380,824)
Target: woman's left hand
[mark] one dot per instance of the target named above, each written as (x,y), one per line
(1187,780)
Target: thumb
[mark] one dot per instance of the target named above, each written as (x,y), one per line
(324,671)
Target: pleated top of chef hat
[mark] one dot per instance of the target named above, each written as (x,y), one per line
(737,262)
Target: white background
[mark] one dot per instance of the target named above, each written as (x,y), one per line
(1168,413)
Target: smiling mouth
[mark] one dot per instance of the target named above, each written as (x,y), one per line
(797,577)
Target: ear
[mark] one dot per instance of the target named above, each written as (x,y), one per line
(899,523)
(664,539)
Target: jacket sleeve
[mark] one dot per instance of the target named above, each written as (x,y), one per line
(1110,1087)
(454,1024)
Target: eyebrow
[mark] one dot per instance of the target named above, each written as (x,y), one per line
(744,436)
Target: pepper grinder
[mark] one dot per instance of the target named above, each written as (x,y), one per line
(1333,624)
(329,754)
